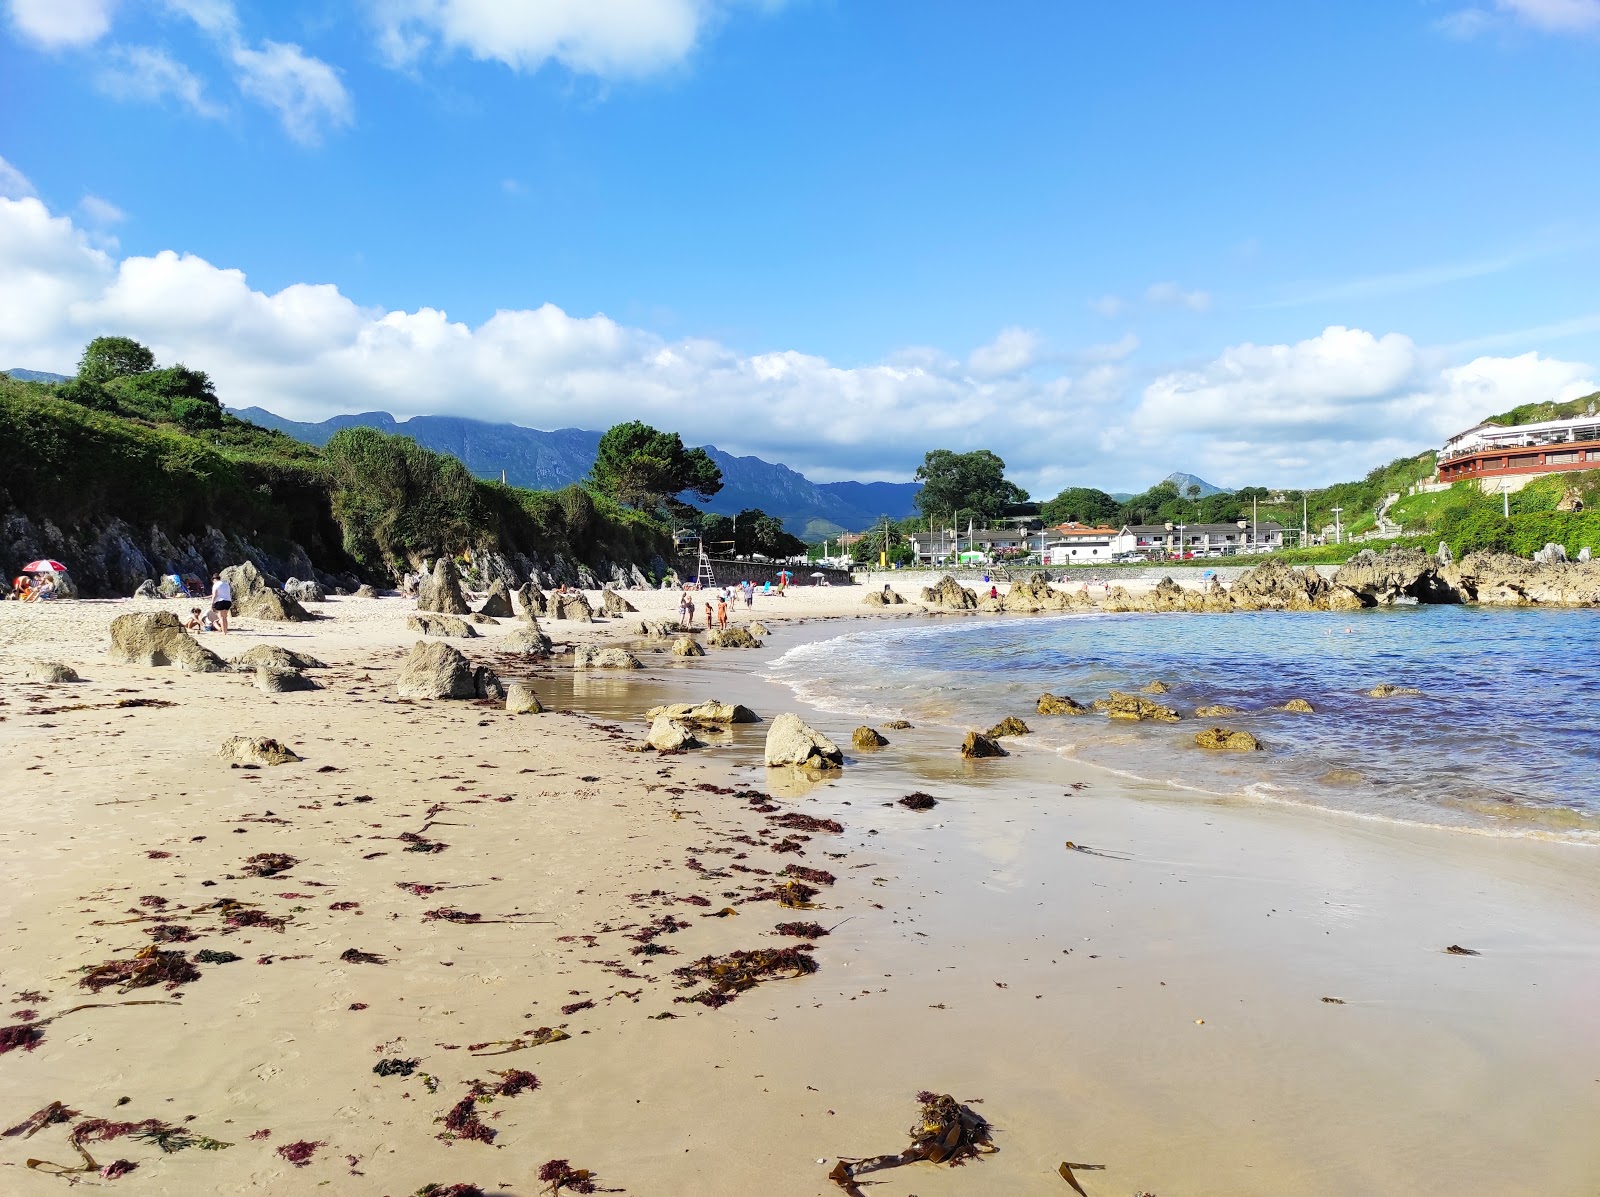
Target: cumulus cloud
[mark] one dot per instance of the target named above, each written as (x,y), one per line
(1546,16)
(305,91)
(13,183)
(1170,295)
(59,23)
(608,38)
(151,74)
(1012,350)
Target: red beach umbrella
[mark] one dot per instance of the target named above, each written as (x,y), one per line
(44,566)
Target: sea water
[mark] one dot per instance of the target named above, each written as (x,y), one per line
(1502,739)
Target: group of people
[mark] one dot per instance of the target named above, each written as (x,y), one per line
(716,615)
(214,618)
(25,589)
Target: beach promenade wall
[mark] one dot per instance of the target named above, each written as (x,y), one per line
(730,571)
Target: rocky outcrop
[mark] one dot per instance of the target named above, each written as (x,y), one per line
(756,628)
(531,601)
(434,670)
(1131,706)
(791,742)
(521,699)
(670,735)
(1498,579)
(275,680)
(1274,585)
(157,638)
(977,746)
(308,591)
(898,725)
(147,590)
(257,596)
(947,592)
(1155,687)
(687,646)
(479,617)
(887,597)
(497,603)
(614,605)
(710,711)
(50,672)
(570,604)
(658,629)
(734,637)
(1381,579)
(1299,706)
(1224,739)
(1009,726)
(594,656)
(868,737)
(529,641)
(1390,690)
(1059,704)
(256,750)
(1216,710)
(366,590)
(440,591)
(272,656)
(1033,595)
(440,625)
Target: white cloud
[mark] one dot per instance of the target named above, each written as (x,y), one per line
(59,23)
(1014,349)
(101,211)
(608,38)
(150,74)
(13,183)
(1546,16)
(1170,295)
(216,17)
(305,91)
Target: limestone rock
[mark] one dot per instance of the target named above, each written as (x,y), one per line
(593,656)
(947,592)
(614,605)
(275,680)
(435,670)
(1298,705)
(478,617)
(710,711)
(486,683)
(521,699)
(51,671)
(1034,594)
(497,603)
(1380,579)
(1227,740)
(366,591)
(255,596)
(1059,704)
(1130,706)
(1216,710)
(734,637)
(532,601)
(1009,726)
(1275,585)
(791,742)
(570,605)
(157,638)
(1551,554)
(657,629)
(256,750)
(529,641)
(670,735)
(146,590)
(1390,690)
(272,656)
(1584,556)
(309,591)
(978,745)
(898,725)
(867,737)
(887,597)
(440,591)
(1156,687)
(687,646)
(440,625)
(756,628)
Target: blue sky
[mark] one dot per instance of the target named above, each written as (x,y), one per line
(1261,242)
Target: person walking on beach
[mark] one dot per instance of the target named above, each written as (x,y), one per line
(749,588)
(722,612)
(221,600)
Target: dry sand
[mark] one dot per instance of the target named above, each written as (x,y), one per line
(1156,1011)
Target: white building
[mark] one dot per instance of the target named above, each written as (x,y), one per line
(1199,540)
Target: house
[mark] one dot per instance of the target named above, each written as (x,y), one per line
(944,545)
(1072,543)
(1498,457)
(1199,540)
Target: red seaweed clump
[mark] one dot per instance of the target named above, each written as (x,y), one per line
(795,821)
(730,975)
(117,1168)
(801,930)
(299,1153)
(170,933)
(20,1037)
(269,864)
(819,876)
(917,800)
(151,966)
(462,1121)
(561,1175)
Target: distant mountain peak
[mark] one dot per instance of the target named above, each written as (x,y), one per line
(1184,481)
(22,375)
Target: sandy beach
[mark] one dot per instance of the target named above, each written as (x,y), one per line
(1215,997)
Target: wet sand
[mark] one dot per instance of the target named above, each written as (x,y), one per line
(1156,1010)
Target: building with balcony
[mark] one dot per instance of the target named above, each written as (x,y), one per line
(1498,457)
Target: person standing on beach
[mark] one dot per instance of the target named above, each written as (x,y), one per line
(708,617)
(749,594)
(686,611)
(221,600)
(722,611)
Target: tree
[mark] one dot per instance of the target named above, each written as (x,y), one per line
(105,358)
(176,393)
(972,483)
(647,469)
(751,531)
(1084,504)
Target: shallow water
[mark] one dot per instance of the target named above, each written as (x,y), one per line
(1502,739)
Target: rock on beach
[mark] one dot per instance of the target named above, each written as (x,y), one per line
(791,742)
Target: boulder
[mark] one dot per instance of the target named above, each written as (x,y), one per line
(1131,706)
(1034,594)
(435,670)
(274,680)
(734,637)
(1551,554)
(1226,740)
(271,656)
(1156,687)
(529,641)
(256,596)
(309,591)
(1390,690)
(157,638)
(570,605)
(1059,704)
(51,671)
(366,591)
(594,656)
(710,711)
(756,628)
(521,699)
(687,646)
(440,625)
(887,597)
(1299,706)
(497,603)
(614,605)
(1584,555)
(658,629)
(670,735)
(978,745)
(1216,710)
(440,591)
(256,750)
(146,590)
(531,600)
(868,737)
(947,592)
(898,725)
(1009,726)
(486,683)
(479,617)
(791,742)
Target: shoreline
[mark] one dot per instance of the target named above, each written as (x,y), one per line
(1434,1072)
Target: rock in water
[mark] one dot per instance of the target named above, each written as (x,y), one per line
(497,604)
(51,671)
(529,641)
(898,725)
(157,638)
(435,670)
(614,605)
(978,745)
(791,742)
(592,656)
(1156,687)
(687,646)
(274,657)
(1009,726)
(532,600)
(282,681)
(657,629)
(1389,690)
(571,605)
(670,735)
(757,628)
(256,750)
(1216,710)
(1059,704)
(440,625)
(734,637)
(1300,706)
(1227,740)
(710,711)
(521,700)
(1131,706)
(255,596)
(146,590)
(947,592)
(441,590)
(868,737)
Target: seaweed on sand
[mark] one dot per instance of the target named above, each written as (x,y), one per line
(417,843)
(801,930)
(946,1132)
(462,1120)
(150,966)
(537,1038)
(299,1154)
(917,800)
(455,1190)
(796,821)
(356,956)
(167,1137)
(395,1067)
(269,864)
(562,1177)
(819,876)
(728,976)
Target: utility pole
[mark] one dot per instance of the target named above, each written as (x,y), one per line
(1255,529)
(1338,530)
(1505,496)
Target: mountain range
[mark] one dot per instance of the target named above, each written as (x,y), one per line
(550,460)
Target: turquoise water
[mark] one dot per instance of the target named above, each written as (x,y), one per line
(1502,739)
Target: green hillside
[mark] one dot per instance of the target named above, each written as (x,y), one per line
(1533,413)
